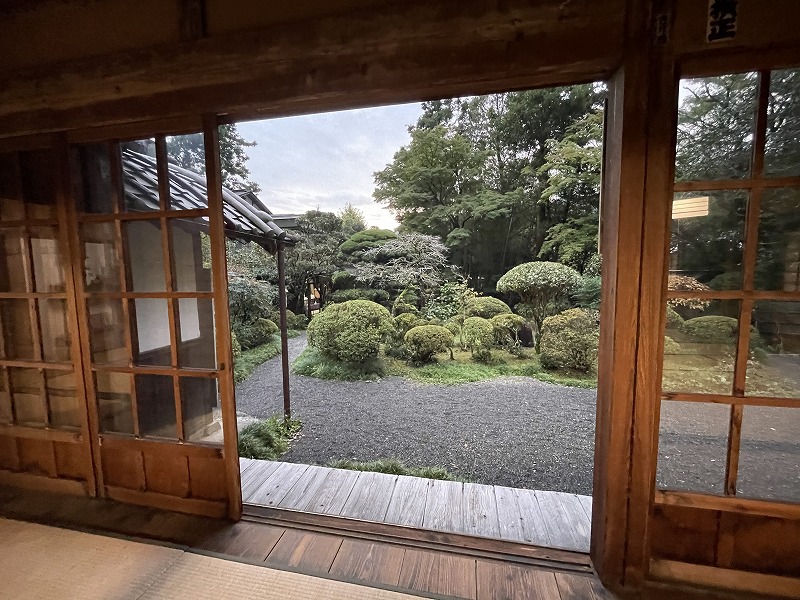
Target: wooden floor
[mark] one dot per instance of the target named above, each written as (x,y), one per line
(551,519)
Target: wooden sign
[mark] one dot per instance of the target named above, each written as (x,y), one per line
(722,15)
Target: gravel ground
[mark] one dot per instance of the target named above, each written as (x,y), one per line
(516,431)
(512,431)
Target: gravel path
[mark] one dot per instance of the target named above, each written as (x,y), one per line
(512,431)
(516,431)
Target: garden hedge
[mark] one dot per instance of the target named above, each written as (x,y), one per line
(569,340)
(486,307)
(477,336)
(350,332)
(425,341)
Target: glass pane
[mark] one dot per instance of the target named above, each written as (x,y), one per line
(202,418)
(769,456)
(140,175)
(91,175)
(187,168)
(700,354)
(61,392)
(6,416)
(12,264)
(716,116)
(101,263)
(38,169)
(692,446)
(774,365)
(11,206)
(114,403)
(152,331)
(155,400)
(48,272)
(107,331)
(26,387)
(17,337)
(192,273)
(778,262)
(198,348)
(782,151)
(56,342)
(707,239)
(145,256)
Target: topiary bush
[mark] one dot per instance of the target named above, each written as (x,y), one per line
(541,286)
(671,346)
(506,330)
(258,333)
(379,296)
(350,332)
(424,341)
(453,327)
(486,307)
(711,328)
(395,341)
(477,336)
(295,321)
(674,320)
(569,340)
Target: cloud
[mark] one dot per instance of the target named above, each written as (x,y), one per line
(326,160)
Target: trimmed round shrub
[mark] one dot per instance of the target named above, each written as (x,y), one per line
(711,328)
(350,332)
(295,321)
(506,330)
(477,335)
(452,326)
(254,334)
(379,296)
(674,320)
(671,346)
(569,340)
(486,307)
(424,341)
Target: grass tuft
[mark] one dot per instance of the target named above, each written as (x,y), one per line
(392,466)
(313,364)
(268,439)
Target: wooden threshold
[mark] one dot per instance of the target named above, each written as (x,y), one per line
(550,558)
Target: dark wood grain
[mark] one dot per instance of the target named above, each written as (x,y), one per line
(504,581)
(309,552)
(368,562)
(574,587)
(244,540)
(438,573)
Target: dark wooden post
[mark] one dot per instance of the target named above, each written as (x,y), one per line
(287,405)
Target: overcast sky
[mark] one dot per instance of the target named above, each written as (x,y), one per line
(326,160)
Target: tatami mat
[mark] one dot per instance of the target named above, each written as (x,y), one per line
(37,561)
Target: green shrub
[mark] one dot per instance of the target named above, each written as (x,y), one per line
(569,340)
(674,320)
(295,321)
(313,363)
(449,300)
(236,347)
(671,346)
(268,439)
(424,341)
(350,332)
(453,327)
(588,294)
(343,279)
(478,337)
(406,302)
(379,296)
(711,328)
(254,334)
(506,331)
(486,307)
(392,466)
(395,341)
(250,299)
(593,266)
(365,240)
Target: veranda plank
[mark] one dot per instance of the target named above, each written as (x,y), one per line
(574,587)
(253,541)
(506,581)
(444,506)
(330,497)
(283,478)
(576,515)
(438,573)
(586,503)
(508,514)
(407,505)
(256,475)
(312,553)
(368,562)
(480,511)
(559,523)
(370,497)
(534,528)
(304,488)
